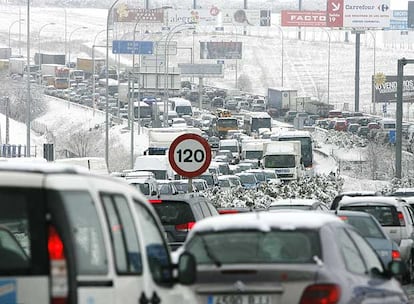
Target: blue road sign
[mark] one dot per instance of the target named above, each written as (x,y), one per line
(132,47)
(392,136)
(400,14)
(398,24)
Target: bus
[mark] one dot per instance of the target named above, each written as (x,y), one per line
(306,144)
(225,124)
(254,121)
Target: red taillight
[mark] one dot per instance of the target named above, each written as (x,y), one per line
(185,227)
(228,211)
(343,217)
(321,294)
(155,201)
(55,245)
(58,268)
(401,218)
(395,254)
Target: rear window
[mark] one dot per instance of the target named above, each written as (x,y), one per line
(174,213)
(296,207)
(386,215)
(365,226)
(255,247)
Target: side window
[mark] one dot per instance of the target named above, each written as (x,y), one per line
(155,246)
(212,209)
(350,253)
(86,232)
(123,234)
(205,209)
(198,211)
(368,254)
(410,214)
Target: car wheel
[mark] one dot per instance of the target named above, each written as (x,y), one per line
(409,275)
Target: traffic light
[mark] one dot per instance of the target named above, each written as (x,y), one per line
(410,20)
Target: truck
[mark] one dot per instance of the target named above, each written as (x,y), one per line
(41,58)
(160,139)
(86,64)
(281,100)
(252,149)
(157,164)
(55,70)
(284,158)
(17,65)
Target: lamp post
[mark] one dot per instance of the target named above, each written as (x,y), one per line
(168,38)
(107,85)
(28,105)
(282,45)
(93,69)
(40,56)
(70,37)
(13,23)
(375,46)
(66,32)
(329,60)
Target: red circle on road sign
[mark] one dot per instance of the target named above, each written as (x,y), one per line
(214,11)
(179,141)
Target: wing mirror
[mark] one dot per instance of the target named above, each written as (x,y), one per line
(187,269)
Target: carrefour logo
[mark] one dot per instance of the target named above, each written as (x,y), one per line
(383,7)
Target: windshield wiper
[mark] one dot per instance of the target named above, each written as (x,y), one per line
(209,253)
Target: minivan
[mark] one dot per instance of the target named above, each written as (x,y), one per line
(70,236)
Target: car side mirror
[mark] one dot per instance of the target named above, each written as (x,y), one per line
(187,269)
(153,193)
(396,268)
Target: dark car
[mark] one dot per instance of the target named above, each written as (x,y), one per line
(179,213)
(290,116)
(363,131)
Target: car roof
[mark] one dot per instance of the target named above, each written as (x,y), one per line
(370,200)
(352,213)
(294,201)
(265,221)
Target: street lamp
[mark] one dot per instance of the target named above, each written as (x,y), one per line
(168,38)
(373,91)
(70,37)
(282,44)
(40,56)
(93,68)
(13,23)
(329,59)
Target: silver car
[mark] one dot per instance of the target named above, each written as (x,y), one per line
(288,257)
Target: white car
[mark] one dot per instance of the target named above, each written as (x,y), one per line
(178,123)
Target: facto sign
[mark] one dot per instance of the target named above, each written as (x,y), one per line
(304,18)
(189,155)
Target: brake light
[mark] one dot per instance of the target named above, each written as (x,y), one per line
(343,217)
(228,211)
(401,218)
(185,227)
(395,254)
(155,201)
(58,268)
(321,294)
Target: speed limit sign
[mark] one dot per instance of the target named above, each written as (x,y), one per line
(189,155)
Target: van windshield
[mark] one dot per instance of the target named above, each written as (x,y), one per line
(184,110)
(279,161)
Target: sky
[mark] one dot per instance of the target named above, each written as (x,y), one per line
(399,4)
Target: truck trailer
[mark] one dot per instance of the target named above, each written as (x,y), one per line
(281,100)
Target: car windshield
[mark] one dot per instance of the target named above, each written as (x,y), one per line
(254,154)
(248,247)
(386,215)
(270,175)
(174,213)
(365,226)
(224,183)
(143,187)
(230,148)
(248,179)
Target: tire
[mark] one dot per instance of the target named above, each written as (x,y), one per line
(408,277)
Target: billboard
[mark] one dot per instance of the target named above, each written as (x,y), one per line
(384,88)
(141,15)
(358,14)
(201,70)
(217,17)
(221,50)
(304,18)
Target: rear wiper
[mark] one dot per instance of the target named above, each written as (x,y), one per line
(318,261)
(209,253)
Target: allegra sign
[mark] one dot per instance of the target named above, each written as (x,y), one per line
(304,18)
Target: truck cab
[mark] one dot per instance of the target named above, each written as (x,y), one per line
(284,158)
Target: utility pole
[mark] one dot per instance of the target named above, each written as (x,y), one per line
(299,28)
(357,65)
(7,120)
(245,7)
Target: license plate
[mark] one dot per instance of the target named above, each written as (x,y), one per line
(239,299)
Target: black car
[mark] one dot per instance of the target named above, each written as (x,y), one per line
(179,213)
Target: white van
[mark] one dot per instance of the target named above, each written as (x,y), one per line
(387,124)
(181,106)
(94,164)
(69,236)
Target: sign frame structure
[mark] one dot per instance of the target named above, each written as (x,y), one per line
(184,141)
(221,50)
(132,47)
(303,18)
(386,91)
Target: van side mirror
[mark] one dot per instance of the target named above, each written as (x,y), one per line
(187,269)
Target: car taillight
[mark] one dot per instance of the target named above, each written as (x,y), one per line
(155,201)
(185,227)
(58,268)
(321,294)
(395,254)
(401,218)
(228,211)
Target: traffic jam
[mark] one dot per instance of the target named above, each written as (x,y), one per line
(230,197)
